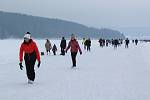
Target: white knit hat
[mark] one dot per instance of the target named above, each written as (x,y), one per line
(27,35)
(72,35)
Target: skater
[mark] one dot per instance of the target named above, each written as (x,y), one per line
(63,46)
(74,47)
(30,51)
(54,49)
(136,41)
(48,46)
(88,42)
(116,43)
(107,43)
(101,42)
(132,41)
(127,43)
(84,43)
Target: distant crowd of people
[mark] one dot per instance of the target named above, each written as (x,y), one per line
(116,42)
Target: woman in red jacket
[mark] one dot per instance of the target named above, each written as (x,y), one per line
(74,47)
(31,53)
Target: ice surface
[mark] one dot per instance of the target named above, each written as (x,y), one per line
(102,74)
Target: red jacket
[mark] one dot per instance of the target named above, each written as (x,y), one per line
(29,48)
(73,44)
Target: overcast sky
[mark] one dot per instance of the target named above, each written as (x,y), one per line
(96,13)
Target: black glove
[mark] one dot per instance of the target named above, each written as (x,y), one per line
(21,67)
(80,53)
(39,63)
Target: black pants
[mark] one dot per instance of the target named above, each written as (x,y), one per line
(30,60)
(127,45)
(88,48)
(48,51)
(54,52)
(62,51)
(73,56)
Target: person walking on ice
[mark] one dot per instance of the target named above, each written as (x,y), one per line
(83,43)
(30,51)
(127,41)
(88,42)
(48,46)
(136,41)
(63,46)
(74,48)
(54,49)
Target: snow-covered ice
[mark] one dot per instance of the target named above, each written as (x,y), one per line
(102,74)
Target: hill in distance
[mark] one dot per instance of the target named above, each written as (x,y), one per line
(14,25)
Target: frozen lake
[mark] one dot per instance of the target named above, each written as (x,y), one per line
(102,74)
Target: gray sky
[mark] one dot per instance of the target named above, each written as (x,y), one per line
(96,13)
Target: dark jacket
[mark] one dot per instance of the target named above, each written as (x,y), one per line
(54,48)
(63,43)
(88,42)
